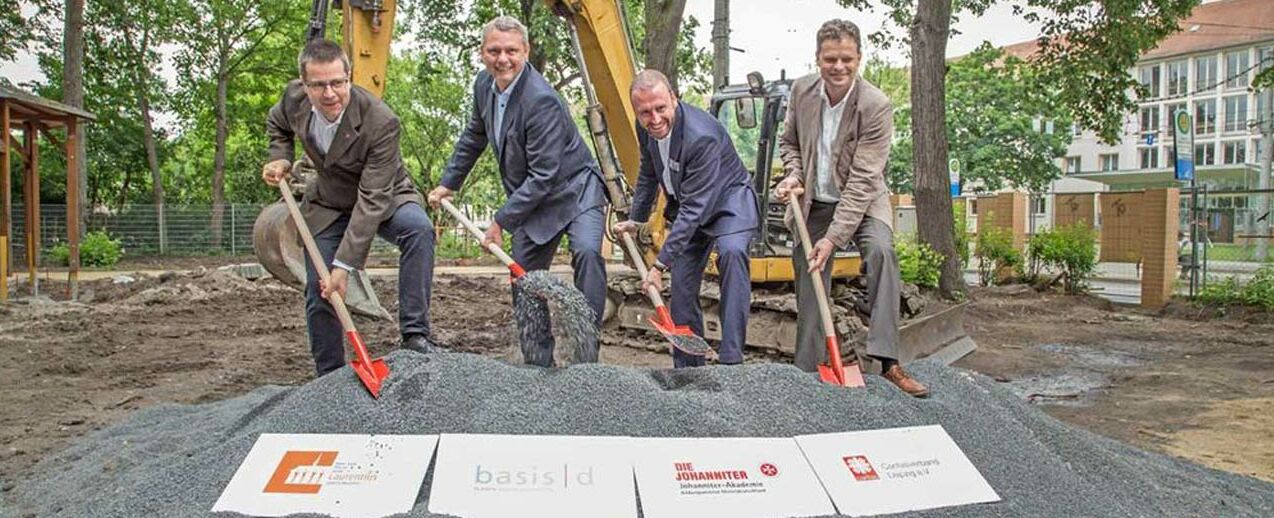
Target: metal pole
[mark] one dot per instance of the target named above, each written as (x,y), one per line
(1263,181)
(233,249)
(720,44)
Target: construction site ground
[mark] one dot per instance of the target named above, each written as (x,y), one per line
(1191,382)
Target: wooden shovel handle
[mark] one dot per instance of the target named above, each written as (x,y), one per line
(816,278)
(342,313)
(477,233)
(631,246)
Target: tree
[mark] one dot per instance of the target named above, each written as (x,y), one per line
(73,93)
(220,37)
(1006,126)
(663,23)
(143,25)
(1085,52)
(19,33)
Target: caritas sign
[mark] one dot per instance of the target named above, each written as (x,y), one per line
(337,475)
(894,470)
(736,477)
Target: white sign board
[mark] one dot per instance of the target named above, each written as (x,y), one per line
(337,475)
(739,478)
(479,476)
(894,470)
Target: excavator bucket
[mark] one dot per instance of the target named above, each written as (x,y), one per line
(278,247)
(940,336)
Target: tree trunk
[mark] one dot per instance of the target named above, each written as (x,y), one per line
(219,162)
(141,79)
(73,92)
(663,26)
(929,33)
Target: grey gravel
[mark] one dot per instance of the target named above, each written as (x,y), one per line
(174,461)
(561,306)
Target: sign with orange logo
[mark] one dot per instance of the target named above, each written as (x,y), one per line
(894,470)
(735,477)
(338,475)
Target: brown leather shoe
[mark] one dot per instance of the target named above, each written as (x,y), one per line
(905,382)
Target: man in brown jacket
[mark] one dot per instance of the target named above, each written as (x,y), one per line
(834,148)
(361,190)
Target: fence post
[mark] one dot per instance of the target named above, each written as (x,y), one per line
(163,229)
(1159,245)
(233,249)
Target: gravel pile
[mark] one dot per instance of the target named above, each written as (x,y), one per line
(175,460)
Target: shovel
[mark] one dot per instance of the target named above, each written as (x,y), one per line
(515,269)
(681,337)
(371,372)
(574,320)
(833,372)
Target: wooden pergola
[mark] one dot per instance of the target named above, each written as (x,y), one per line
(36,115)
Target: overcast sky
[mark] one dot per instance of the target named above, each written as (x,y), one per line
(775,35)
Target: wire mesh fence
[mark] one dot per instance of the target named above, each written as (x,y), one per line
(189,230)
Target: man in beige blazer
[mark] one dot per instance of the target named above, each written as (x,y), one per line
(834,148)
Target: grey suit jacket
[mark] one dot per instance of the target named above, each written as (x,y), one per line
(546,170)
(713,193)
(362,173)
(861,148)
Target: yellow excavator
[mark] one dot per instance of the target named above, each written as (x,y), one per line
(752,112)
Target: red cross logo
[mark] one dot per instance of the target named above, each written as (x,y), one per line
(769,470)
(860,467)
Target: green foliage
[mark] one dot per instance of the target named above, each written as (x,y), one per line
(961,223)
(919,263)
(97,250)
(1258,292)
(1071,250)
(998,111)
(995,252)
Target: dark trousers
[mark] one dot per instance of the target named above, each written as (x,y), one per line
(875,243)
(736,293)
(412,231)
(584,236)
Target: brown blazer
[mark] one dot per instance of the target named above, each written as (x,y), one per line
(862,144)
(362,173)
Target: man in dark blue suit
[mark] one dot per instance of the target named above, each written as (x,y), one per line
(687,154)
(554,185)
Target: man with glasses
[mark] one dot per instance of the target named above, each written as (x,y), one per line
(361,190)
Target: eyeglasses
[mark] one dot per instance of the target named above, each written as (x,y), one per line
(319,86)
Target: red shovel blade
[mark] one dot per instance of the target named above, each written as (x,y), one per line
(371,372)
(836,373)
(681,337)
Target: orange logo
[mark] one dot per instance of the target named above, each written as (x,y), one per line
(300,472)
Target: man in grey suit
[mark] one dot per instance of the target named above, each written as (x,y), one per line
(834,148)
(361,190)
(687,154)
(554,185)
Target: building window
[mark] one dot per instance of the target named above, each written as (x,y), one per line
(1149,157)
(1235,152)
(1236,113)
(1205,117)
(1149,119)
(1150,80)
(1205,72)
(1236,69)
(1076,130)
(1256,151)
(1110,162)
(1039,204)
(1178,73)
(1264,59)
(1205,154)
(1073,165)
